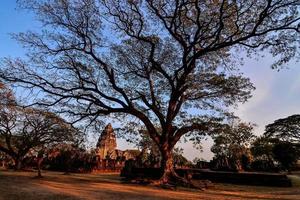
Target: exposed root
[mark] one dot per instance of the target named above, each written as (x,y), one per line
(172,181)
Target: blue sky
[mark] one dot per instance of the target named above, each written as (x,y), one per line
(12,20)
(277,94)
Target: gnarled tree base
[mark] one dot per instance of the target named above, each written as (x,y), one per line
(172,180)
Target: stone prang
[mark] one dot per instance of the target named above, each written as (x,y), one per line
(106,144)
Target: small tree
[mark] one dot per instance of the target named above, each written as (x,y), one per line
(165,58)
(152,156)
(262,147)
(179,159)
(262,151)
(24,129)
(233,144)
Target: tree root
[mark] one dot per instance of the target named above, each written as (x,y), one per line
(175,181)
(174,184)
(172,181)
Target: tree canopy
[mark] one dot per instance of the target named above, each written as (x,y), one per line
(232,145)
(285,129)
(167,64)
(234,139)
(24,129)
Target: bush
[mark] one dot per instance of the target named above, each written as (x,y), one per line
(69,159)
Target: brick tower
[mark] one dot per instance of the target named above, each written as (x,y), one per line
(106,144)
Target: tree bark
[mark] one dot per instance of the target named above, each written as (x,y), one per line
(169,175)
(167,166)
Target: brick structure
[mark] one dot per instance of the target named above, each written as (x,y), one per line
(108,157)
(107,143)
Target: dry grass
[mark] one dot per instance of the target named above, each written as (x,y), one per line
(55,186)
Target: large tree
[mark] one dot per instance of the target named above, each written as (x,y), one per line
(169,64)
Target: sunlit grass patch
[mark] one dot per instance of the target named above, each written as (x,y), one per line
(295,180)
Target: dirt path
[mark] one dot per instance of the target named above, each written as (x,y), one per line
(55,186)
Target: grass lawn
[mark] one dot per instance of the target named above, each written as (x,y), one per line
(55,186)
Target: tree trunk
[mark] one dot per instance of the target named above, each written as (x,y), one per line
(169,175)
(167,167)
(18,164)
(68,167)
(39,164)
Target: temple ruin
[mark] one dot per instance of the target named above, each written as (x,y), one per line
(108,157)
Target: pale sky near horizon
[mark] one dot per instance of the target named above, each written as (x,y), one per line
(276,96)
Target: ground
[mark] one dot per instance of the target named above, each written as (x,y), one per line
(56,186)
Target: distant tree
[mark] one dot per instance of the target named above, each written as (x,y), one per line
(179,159)
(286,154)
(4,160)
(261,148)
(153,60)
(67,154)
(24,129)
(267,151)
(285,129)
(233,144)
(201,163)
(280,142)
(150,155)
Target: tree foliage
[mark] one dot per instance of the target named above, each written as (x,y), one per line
(285,129)
(24,129)
(284,140)
(286,154)
(261,148)
(273,154)
(234,138)
(232,146)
